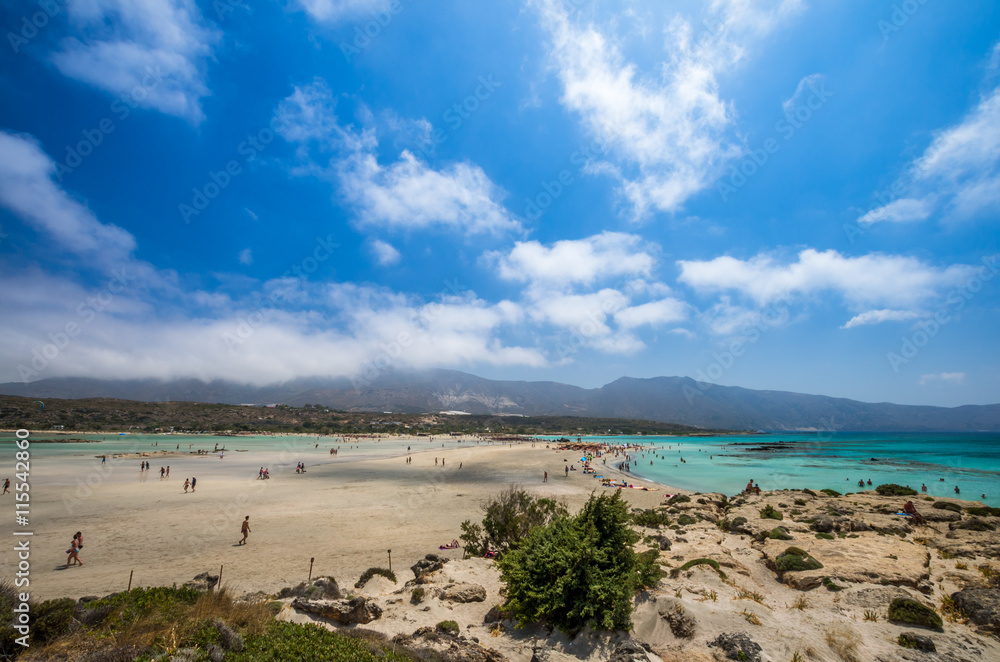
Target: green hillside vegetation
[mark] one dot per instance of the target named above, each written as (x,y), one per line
(108,415)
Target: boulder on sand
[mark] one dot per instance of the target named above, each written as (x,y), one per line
(347,612)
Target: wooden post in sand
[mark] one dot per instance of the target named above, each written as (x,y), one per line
(390,560)
(311,569)
(220,576)
(130,579)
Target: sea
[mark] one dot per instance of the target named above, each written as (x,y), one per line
(834,460)
(783,460)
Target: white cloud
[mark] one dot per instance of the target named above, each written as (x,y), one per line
(578,261)
(406,194)
(805,86)
(385,253)
(943,377)
(335,10)
(959,173)
(668,129)
(903,210)
(879,316)
(246,256)
(152,52)
(28,188)
(869,279)
(654,313)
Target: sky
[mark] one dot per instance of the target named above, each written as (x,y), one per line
(778,194)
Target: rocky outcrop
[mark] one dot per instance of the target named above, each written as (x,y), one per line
(917,641)
(682,625)
(448,647)
(346,612)
(202,582)
(629,650)
(463,593)
(325,588)
(737,646)
(427,565)
(870,559)
(981,605)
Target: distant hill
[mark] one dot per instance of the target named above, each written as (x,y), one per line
(667,399)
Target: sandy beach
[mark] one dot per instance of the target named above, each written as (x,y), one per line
(344,513)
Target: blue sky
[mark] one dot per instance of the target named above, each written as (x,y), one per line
(786,194)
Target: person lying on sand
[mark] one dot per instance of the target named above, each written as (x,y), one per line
(452,545)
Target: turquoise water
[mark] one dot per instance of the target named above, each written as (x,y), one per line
(835,460)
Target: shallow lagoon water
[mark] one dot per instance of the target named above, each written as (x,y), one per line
(835,460)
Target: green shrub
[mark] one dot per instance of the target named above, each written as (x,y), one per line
(509,518)
(829,492)
(417,595)
(809,492)
(692,563)
(975,525)
(987,511)
(892,489)
(686,520)
(679,498)
(779,533)
(451,627)
(928,498)
(825,536)
(948,505)
(770,512)
(652,518)
(737,523)
(578,569)
(794,559)
(371,572)
(51,619)
(800,502)
(830,586)
(904,610)
(283,641)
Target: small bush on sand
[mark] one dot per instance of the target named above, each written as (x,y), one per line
(509,518)
(827,491)
(911,612)
(778,533)
(987,511)
(795,559)
(371,572)
(892,489)
(948,505)
(844,642)
(770,512)
(651,519)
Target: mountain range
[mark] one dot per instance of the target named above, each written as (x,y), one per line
(666,399)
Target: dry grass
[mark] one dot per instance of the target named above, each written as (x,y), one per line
(160,628)
(744,594)
(800,603)
(750,617)
(844,642)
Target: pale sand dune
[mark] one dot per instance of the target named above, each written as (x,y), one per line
(344,513)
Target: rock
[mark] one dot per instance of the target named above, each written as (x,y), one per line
(664,543)
(347,612)
(981,605)
(941,516)
(463,593)
(202,582)
(682,625)
(324,588)
(875,598)
(823,525)
(216,654)
(917,641)
(735,643)
(494,615)
(540,655)
(867,559)
(447,647)
(974,524)
(629,650)
(230,639)
(427,565)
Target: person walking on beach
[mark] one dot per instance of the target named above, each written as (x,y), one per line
(168,472)
(161,473)
(187,484)
(545,478)
(104,459)
(194,481)
(245,530)
(6,485)
(74,551)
